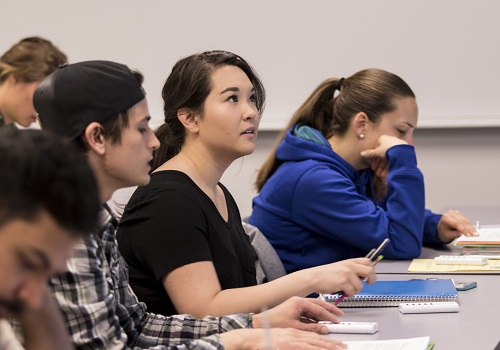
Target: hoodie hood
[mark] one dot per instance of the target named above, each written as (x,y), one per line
(296,149)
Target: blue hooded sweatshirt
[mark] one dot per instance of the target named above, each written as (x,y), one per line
(317,209)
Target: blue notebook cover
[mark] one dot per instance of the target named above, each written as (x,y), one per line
(391,293)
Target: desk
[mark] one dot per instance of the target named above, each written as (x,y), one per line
(475,326)
(401,266)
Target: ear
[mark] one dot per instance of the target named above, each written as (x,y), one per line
(189,119)
(95,138)
(360,122)
(11,79)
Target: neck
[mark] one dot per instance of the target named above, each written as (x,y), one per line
(202,167)
(106,184)
(349,149)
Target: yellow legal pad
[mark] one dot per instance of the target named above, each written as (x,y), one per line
(429,266)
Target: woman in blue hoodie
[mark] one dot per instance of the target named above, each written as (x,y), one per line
(344,177)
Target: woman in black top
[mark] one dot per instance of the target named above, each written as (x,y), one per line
(182,233)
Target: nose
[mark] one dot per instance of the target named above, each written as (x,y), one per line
(410,140)
(154,143)
(31,293)
(250,111)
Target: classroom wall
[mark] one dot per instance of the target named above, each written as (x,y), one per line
(461,169)
(446,50)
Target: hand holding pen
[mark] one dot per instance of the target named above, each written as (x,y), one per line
(375,257)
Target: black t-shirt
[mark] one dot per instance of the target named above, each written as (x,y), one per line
(170,223)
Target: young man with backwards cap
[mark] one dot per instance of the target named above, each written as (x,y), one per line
(48,201)
(102,107)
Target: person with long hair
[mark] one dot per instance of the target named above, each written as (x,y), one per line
(102,108)
(22,68)
(343,177)
(182,234)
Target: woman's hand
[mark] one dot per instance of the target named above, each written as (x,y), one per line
(453,224)
(384,142)
(299,313)
(345,276)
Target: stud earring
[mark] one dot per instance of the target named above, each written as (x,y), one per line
(361,136)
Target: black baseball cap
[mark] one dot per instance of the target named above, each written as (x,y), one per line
(77,94)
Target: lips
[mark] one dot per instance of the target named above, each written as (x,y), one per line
(250,131)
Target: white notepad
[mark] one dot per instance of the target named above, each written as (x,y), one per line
(487,236)
(420,343)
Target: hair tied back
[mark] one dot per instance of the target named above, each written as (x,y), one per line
(339,84)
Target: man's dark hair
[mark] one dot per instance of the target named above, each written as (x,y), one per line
(41,172)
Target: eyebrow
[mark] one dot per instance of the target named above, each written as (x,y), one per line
(233,89)
(41,257)
(146,119)
(411,126)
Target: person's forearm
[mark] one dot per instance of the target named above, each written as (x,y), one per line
(254,299)
(44,329)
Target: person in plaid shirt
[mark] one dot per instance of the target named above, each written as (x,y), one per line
(102,107)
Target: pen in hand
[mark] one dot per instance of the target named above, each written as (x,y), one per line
(374,256)
(375,262)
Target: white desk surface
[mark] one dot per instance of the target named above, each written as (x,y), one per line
(475,326)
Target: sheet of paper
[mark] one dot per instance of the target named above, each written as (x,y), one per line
(487,235)
(428,265)
(420,343)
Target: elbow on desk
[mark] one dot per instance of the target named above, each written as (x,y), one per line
(406,253)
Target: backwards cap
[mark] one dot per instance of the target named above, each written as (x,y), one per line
(75,95)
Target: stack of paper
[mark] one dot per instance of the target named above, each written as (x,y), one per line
(430,266)
(487,243)
(421,343)
(488,237)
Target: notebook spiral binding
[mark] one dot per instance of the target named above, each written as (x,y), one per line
(383,301)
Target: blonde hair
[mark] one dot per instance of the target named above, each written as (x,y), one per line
(30,60)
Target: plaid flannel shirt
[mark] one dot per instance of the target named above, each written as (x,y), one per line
(8,340)
(102,312)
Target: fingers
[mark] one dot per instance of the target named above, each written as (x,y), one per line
(319,310)
(313,327)
(383,144)
(297,339)
(350,274)
(459,222)
(380,167)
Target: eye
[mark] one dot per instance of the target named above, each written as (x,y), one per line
(142,130)
(232,98)
(253,98)
(401,132)
(28,265)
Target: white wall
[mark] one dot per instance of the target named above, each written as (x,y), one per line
(447,50)
(461,169)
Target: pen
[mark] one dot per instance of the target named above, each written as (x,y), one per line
(375,262)
(368,256)
(377,251)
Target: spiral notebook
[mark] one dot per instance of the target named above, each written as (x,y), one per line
(391,293)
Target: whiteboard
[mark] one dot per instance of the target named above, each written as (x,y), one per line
(447,50)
